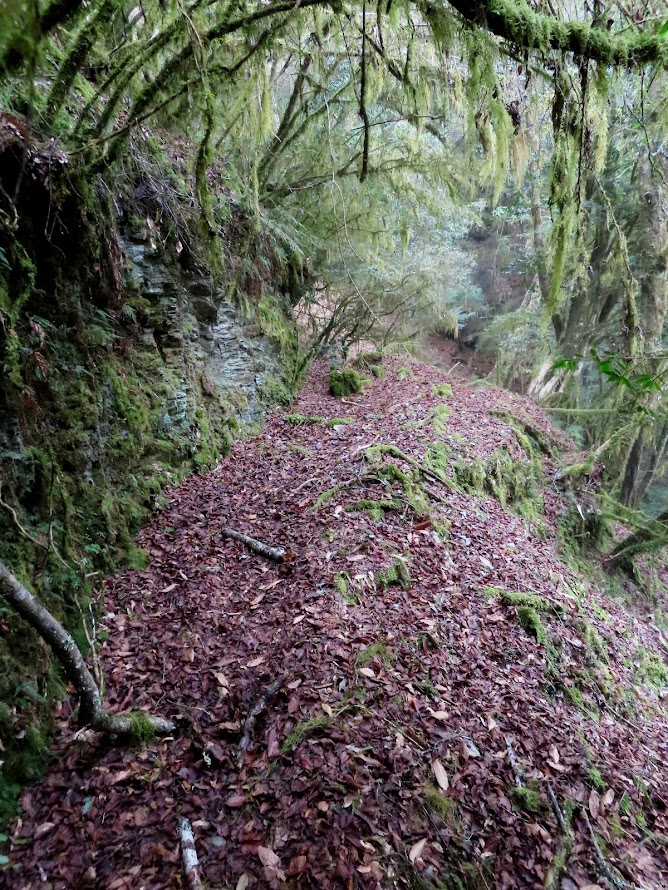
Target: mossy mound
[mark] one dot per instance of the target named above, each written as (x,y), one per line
(397,573)
(345,382)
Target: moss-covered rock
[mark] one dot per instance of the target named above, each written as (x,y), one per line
(397,573)
(345,382)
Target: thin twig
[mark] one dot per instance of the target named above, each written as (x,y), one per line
(556,809)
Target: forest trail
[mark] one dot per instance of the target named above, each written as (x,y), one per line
(416,693)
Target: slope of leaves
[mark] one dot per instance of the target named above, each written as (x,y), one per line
(413,702)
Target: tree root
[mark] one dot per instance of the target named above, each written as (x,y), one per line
(606,869)
(276,554)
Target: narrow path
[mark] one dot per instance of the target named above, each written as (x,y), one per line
(412,701)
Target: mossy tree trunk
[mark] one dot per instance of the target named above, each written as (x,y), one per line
(91,712)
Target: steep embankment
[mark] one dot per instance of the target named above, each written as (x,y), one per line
(455,706)
(125,364)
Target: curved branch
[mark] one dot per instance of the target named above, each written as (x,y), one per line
(515,21)
(91,712)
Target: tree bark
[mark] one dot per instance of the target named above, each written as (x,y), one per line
(91,712)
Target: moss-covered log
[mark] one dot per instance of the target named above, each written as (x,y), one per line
(515,21)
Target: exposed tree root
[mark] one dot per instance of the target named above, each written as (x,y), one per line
(606,869)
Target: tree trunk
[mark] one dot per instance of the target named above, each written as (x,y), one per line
(91,712)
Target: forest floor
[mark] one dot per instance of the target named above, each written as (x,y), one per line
(452,704)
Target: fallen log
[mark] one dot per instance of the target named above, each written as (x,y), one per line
(276,554)
(91,712)
(189,858)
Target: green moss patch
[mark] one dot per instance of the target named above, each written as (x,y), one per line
(370,359)
(442,390)
(375,509)
(397,573)
(302,420)
(529,619)
(308,727)
(376,651)
(651,669)
(527,798)
(345,382)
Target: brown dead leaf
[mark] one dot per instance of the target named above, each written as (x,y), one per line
(441,775)
(268,857)
(594,803)
(416,850)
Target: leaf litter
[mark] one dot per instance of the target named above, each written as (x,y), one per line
(424,732)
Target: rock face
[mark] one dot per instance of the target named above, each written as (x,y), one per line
(194,324)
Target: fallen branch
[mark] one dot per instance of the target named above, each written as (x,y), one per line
(563,852)
(615,879)
(91,712)
(277,554)
(517,772)
(253,714)
(556,809)
(189,854)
